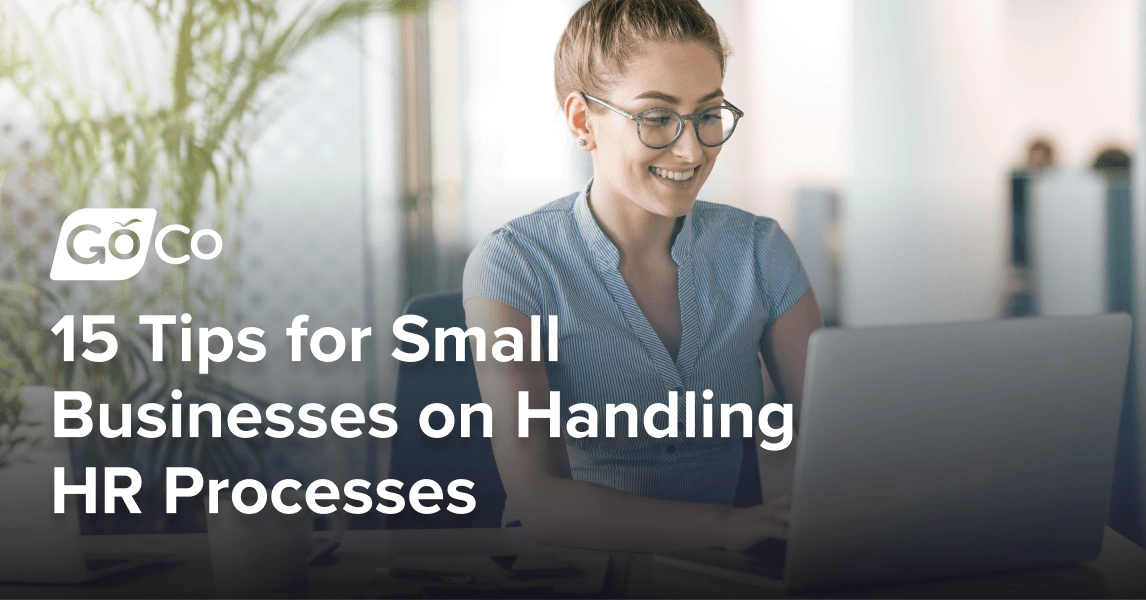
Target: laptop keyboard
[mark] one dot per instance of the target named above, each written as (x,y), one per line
(768,555)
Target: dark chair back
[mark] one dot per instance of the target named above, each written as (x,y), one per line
(416,456)
(748,487)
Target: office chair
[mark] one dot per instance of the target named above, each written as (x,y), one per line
(415,456)
(748,485)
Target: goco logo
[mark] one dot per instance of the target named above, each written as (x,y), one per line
(111,244)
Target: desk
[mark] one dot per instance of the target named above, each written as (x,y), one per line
(1120,570)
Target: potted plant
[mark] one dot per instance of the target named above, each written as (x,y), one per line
(183,152)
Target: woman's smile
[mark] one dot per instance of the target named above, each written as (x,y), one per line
(675,175)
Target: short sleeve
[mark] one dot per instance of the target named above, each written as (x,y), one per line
(499,269)
(780,276)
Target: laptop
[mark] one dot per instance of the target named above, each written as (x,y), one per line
(929,451)
(36,544)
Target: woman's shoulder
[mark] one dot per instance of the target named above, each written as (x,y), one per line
(509,264)
(536,226)
(542,227)
(732,225)
(557,211)
(730,238)
(756,241)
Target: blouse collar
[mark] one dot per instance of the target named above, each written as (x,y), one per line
(604,248)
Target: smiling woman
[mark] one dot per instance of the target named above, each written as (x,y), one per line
(657,293)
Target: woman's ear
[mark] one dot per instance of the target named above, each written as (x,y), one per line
(577,119)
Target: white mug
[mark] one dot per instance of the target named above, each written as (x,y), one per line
(266,550)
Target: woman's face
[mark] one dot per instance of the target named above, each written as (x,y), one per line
(682,76)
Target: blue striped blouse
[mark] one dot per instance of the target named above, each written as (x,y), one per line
(736,272)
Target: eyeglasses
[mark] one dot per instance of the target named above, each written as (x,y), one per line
(661,127)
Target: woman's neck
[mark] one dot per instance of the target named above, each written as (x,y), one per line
(637,233)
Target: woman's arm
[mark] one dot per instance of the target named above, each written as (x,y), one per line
(556,509)
(784,348)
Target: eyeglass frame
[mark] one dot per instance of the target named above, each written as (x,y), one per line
(639,118)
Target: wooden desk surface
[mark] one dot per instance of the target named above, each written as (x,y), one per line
(1120,570)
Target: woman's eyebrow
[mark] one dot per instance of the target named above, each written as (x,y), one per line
(714,94)
(654,95)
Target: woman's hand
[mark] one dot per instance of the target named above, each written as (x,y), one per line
(745,527)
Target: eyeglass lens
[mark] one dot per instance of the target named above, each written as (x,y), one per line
(661,127)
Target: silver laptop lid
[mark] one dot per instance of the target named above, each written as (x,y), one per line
(941,449)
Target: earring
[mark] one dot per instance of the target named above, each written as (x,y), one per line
(581,142)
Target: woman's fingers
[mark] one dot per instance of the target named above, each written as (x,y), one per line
(779,530)
(777,511)
(749,526)
(754,534)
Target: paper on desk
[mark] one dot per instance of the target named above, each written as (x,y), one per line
(592,570)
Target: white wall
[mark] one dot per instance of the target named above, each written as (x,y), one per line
(518,155)
(946,96)
(789,72)
(1072,71)
(923,213)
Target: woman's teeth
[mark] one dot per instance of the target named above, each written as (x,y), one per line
(674,175)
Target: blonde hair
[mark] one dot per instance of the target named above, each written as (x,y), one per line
(602,34)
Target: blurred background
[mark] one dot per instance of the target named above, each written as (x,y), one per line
(933,160)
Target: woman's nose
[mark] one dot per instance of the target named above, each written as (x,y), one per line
(688,146)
